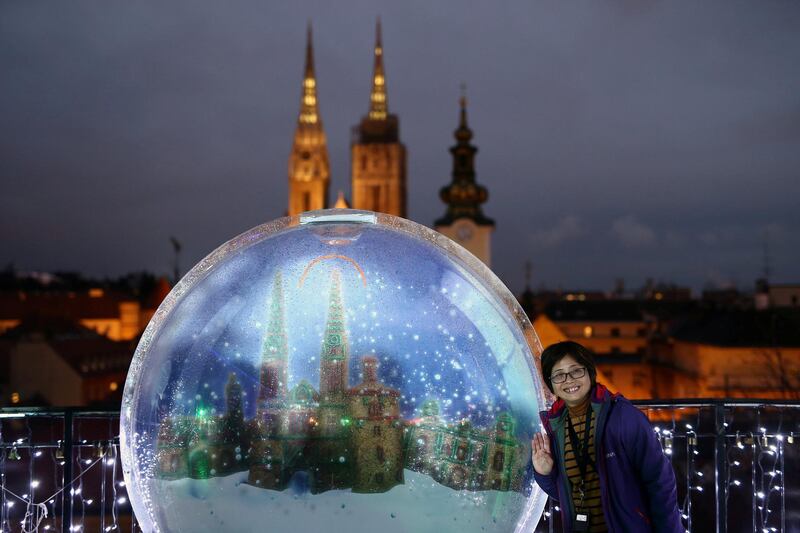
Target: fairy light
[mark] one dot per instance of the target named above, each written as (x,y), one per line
(762,449)
(766,457)
(105,458)
(758,453)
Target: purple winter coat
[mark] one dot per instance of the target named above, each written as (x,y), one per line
(637,483)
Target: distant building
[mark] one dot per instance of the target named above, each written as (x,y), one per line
(662,291)
(54,361)
(112,313)
(378,158)
(378,164)
(70,341)
(733,354)
(616,331)
(784,295)
(726,298)
(464,221)
(309,169)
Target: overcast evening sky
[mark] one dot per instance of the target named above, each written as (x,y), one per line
(621,139)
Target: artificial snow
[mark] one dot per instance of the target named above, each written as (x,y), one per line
(419,505)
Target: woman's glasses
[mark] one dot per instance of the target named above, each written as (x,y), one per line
(577,373)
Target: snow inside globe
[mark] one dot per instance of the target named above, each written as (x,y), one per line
(340,371)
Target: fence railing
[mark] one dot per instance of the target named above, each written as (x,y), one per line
(60,471)
(60,468)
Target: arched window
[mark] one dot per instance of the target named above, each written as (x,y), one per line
(499,460)
(461,452)
(381,455)
(375,408)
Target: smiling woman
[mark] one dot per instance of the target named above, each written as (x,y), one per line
(599,457)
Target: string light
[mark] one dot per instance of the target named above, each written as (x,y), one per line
(38,513)
(758,453)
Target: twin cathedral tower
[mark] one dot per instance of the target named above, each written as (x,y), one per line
(378,164)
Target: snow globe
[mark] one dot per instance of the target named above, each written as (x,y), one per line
(339,370)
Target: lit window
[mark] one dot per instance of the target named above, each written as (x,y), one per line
(14,397)
(113,386)
(587,331)
(95,293)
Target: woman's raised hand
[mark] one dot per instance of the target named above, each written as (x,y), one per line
(542,458)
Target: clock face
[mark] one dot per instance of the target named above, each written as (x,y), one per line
(464,232)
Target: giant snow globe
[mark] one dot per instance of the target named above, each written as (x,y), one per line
(339,371)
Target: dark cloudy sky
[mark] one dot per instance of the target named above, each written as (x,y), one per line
(628,139)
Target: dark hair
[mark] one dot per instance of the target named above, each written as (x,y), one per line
(558,351)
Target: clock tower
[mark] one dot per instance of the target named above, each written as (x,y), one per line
(464,221)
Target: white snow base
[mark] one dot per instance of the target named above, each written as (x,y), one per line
(420,505)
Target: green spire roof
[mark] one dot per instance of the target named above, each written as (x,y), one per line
(275,344)
(334,345)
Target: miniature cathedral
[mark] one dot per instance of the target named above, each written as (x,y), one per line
(337,437)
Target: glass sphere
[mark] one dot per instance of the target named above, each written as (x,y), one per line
(335,371)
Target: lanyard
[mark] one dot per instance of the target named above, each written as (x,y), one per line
(582,450)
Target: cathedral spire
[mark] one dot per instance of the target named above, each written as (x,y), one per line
(309,170)
(378,108)
(378,158)
(309,113)
(463,132)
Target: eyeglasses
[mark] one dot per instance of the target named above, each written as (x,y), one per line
(577,373)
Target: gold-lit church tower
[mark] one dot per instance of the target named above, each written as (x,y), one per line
(378,158)
(309,170)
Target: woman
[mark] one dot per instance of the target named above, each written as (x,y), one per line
(600,458)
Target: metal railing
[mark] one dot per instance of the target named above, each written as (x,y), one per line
(60,471)
(731,458)
(60,468)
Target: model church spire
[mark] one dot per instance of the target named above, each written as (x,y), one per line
(335,349)
(309,170)
(275,351)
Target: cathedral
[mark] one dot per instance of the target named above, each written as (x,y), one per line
(378,163)
(337,436)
